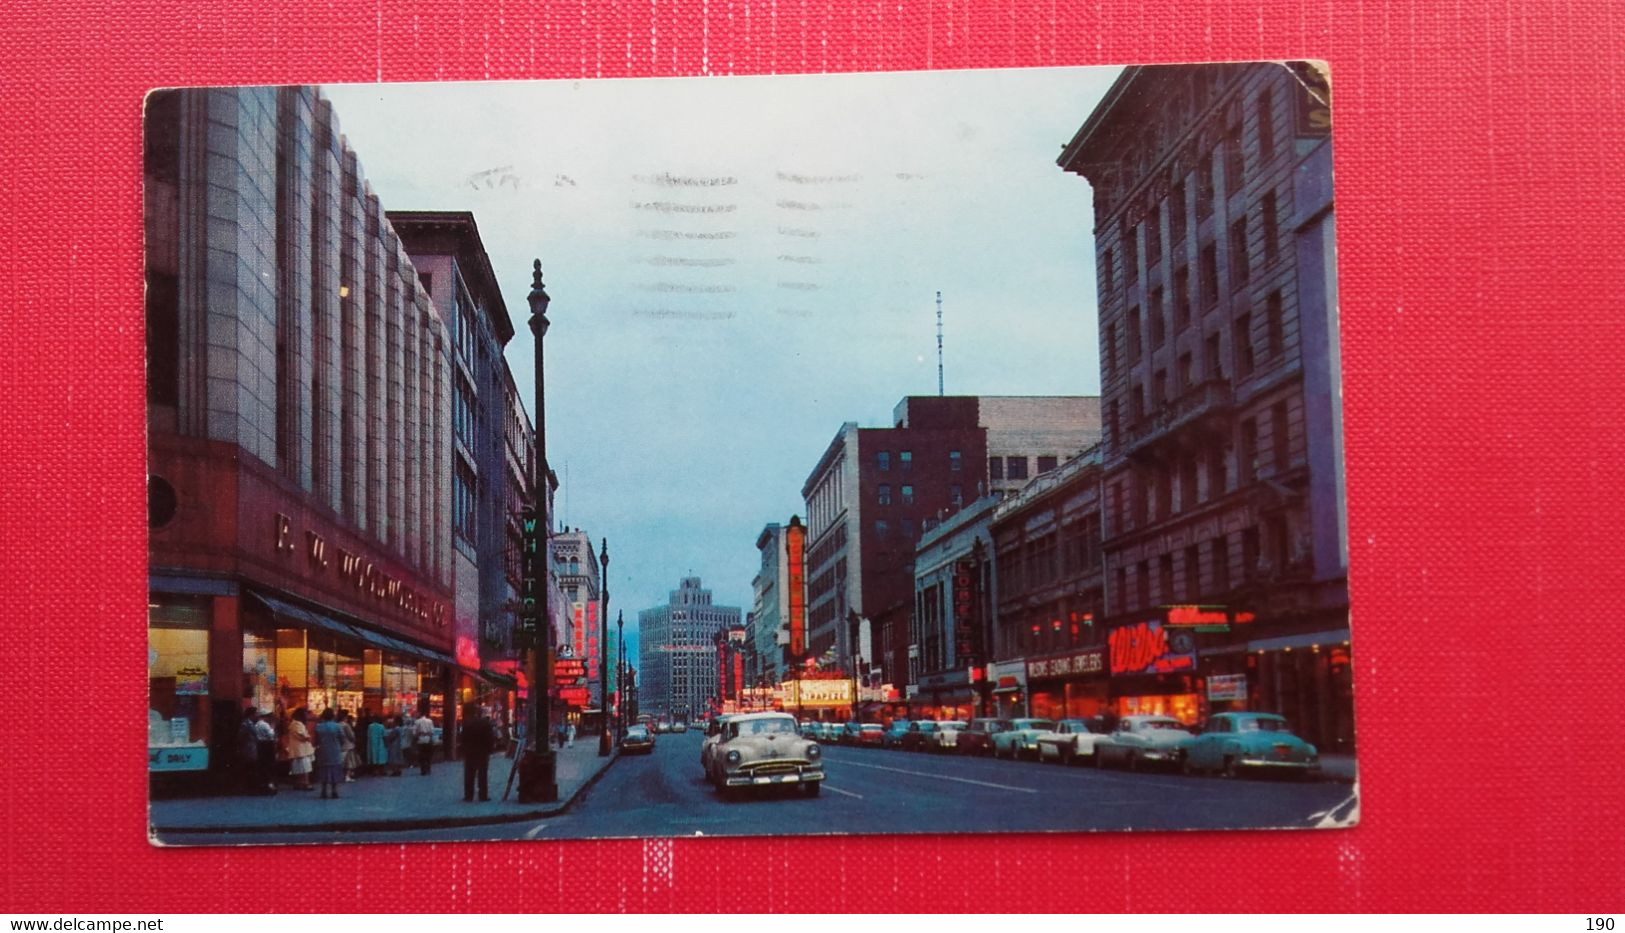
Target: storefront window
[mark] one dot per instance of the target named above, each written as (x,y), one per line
(1185,707)
(259,668)
(178,683)
(335,676)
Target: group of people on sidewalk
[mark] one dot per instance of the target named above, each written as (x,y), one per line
(271,748)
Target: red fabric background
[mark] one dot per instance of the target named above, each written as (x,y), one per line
(1479,217)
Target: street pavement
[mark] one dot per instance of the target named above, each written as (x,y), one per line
(876,791)
(409,802)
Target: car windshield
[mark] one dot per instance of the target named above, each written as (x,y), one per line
(766,727)
(1043,725)
(1074,725)
(1162,724)
(900,725)
(1262,724)
(952,724)
(928,727)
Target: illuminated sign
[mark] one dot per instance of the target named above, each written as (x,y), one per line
(359,572)
(795,544)
(1083,662)
(530,572)
(1227,687)
(1146,648)
(817,693)
(1213,618)
(965,628)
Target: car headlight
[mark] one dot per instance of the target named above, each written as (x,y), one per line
(812,750)
(734,758)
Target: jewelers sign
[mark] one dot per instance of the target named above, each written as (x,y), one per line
(1084,662)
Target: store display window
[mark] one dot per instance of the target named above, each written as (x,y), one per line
(1185,707)
(178,682)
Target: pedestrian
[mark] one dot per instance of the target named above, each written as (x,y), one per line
(423,738)
(248,753)
(265,734)
(301,754)
(394,738)
(377,753)
(329,753)
(352,761)
(478,738)
(570,736)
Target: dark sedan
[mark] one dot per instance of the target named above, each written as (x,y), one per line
(638,739)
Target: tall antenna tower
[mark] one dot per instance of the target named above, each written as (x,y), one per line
(939,344)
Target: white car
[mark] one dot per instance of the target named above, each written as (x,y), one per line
(1021,739)
(1144,740)
(762,750)
(946,738)
(713,734)
(1069,741)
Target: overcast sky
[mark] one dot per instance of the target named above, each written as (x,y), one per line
(740,265)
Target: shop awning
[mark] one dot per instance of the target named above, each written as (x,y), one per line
(1324,639)
(501,680)
(286,610)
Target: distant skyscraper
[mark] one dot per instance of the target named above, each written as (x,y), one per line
(677,650)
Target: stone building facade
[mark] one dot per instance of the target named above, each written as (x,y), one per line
(770,608)
(1222,456)
(677,670)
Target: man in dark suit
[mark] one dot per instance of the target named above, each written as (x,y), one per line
(477,737)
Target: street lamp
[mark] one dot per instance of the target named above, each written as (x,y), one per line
(603,648)
(620,678)
(538,772)
(984,644)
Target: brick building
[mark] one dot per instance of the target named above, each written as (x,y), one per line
(1222,455)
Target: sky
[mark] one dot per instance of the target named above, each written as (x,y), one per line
(739,265)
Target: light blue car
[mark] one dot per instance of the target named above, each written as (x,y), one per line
(1234,743)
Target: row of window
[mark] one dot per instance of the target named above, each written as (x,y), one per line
(905,460)
(1016,467)
(1265,548)
(1149,496)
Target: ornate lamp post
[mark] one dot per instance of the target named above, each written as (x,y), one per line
(603,649)
(620,678)
(538,781)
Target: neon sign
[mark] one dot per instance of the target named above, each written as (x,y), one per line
(795,545)
(1146,649)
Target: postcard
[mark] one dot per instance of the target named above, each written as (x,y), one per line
(926,452)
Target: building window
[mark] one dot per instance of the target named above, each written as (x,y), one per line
(1153,237)
(1131,253)
(1122,588)
(1241,267)
(1247,463)
(1210,275)
(883,494)
(1182,298)
(955,461)
(1234,169)
(1110,346)
(957,495)
(1249,553)
(1193,572)
(995,468)
(1204,187)
(1218,478)
(906,460)
(882,529)
(1272,228)
(1016,467)
(1165,573)
(883,460)
(907,527)
(1281,437)
(1159,389)
(1187,483)
(1187,373)
(1176,214)
(1274,325)
(1136,404)
(908,495)
(1046,464)
(1142,585)
(1266,126)
(1221,564)
(463,501)
(1112,427)
(1107,272)
(1159,330)
(1243,339)
(1212,368)
(1134,335)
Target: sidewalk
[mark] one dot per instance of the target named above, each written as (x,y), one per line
(410,801)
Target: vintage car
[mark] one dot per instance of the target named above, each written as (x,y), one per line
(1232,743)
(679,726)
(870,734)
(920,737)
(1143,740)
(1070,741)
(1020,740)
(946,738)
(763,750)
(893,736)
(977,738)
(638,739)
(713,734)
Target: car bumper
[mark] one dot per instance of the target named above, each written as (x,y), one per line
(741,779)
(1280,764)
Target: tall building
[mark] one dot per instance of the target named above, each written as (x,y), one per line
(677,649)
(1222,460)
(770,606)
(300,430)
(576,561)
(874,491)
(492,441)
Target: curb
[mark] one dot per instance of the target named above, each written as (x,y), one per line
(156,833)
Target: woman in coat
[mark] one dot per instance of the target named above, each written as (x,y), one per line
(377,753)
(352,761)
(301,753)
(394,757)
(329,753)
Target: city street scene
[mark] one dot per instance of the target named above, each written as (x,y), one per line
(962,450)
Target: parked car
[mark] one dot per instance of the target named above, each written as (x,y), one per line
(679,726)
(977,738)
(870,734)
(713,734)
(1070,741)
(828,732)
(849,732)
(1020,740)
(946,738)
(809,729)
(920,737)
(1232,743)
(893,736)
(662,726)
(1143,740)
(638,739)
(762,750)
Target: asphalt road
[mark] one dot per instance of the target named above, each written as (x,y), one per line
(874,791)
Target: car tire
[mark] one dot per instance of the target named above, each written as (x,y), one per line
(1100,760)
(1232,770)
(1185,766)
(1133,761)
(1066,755)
